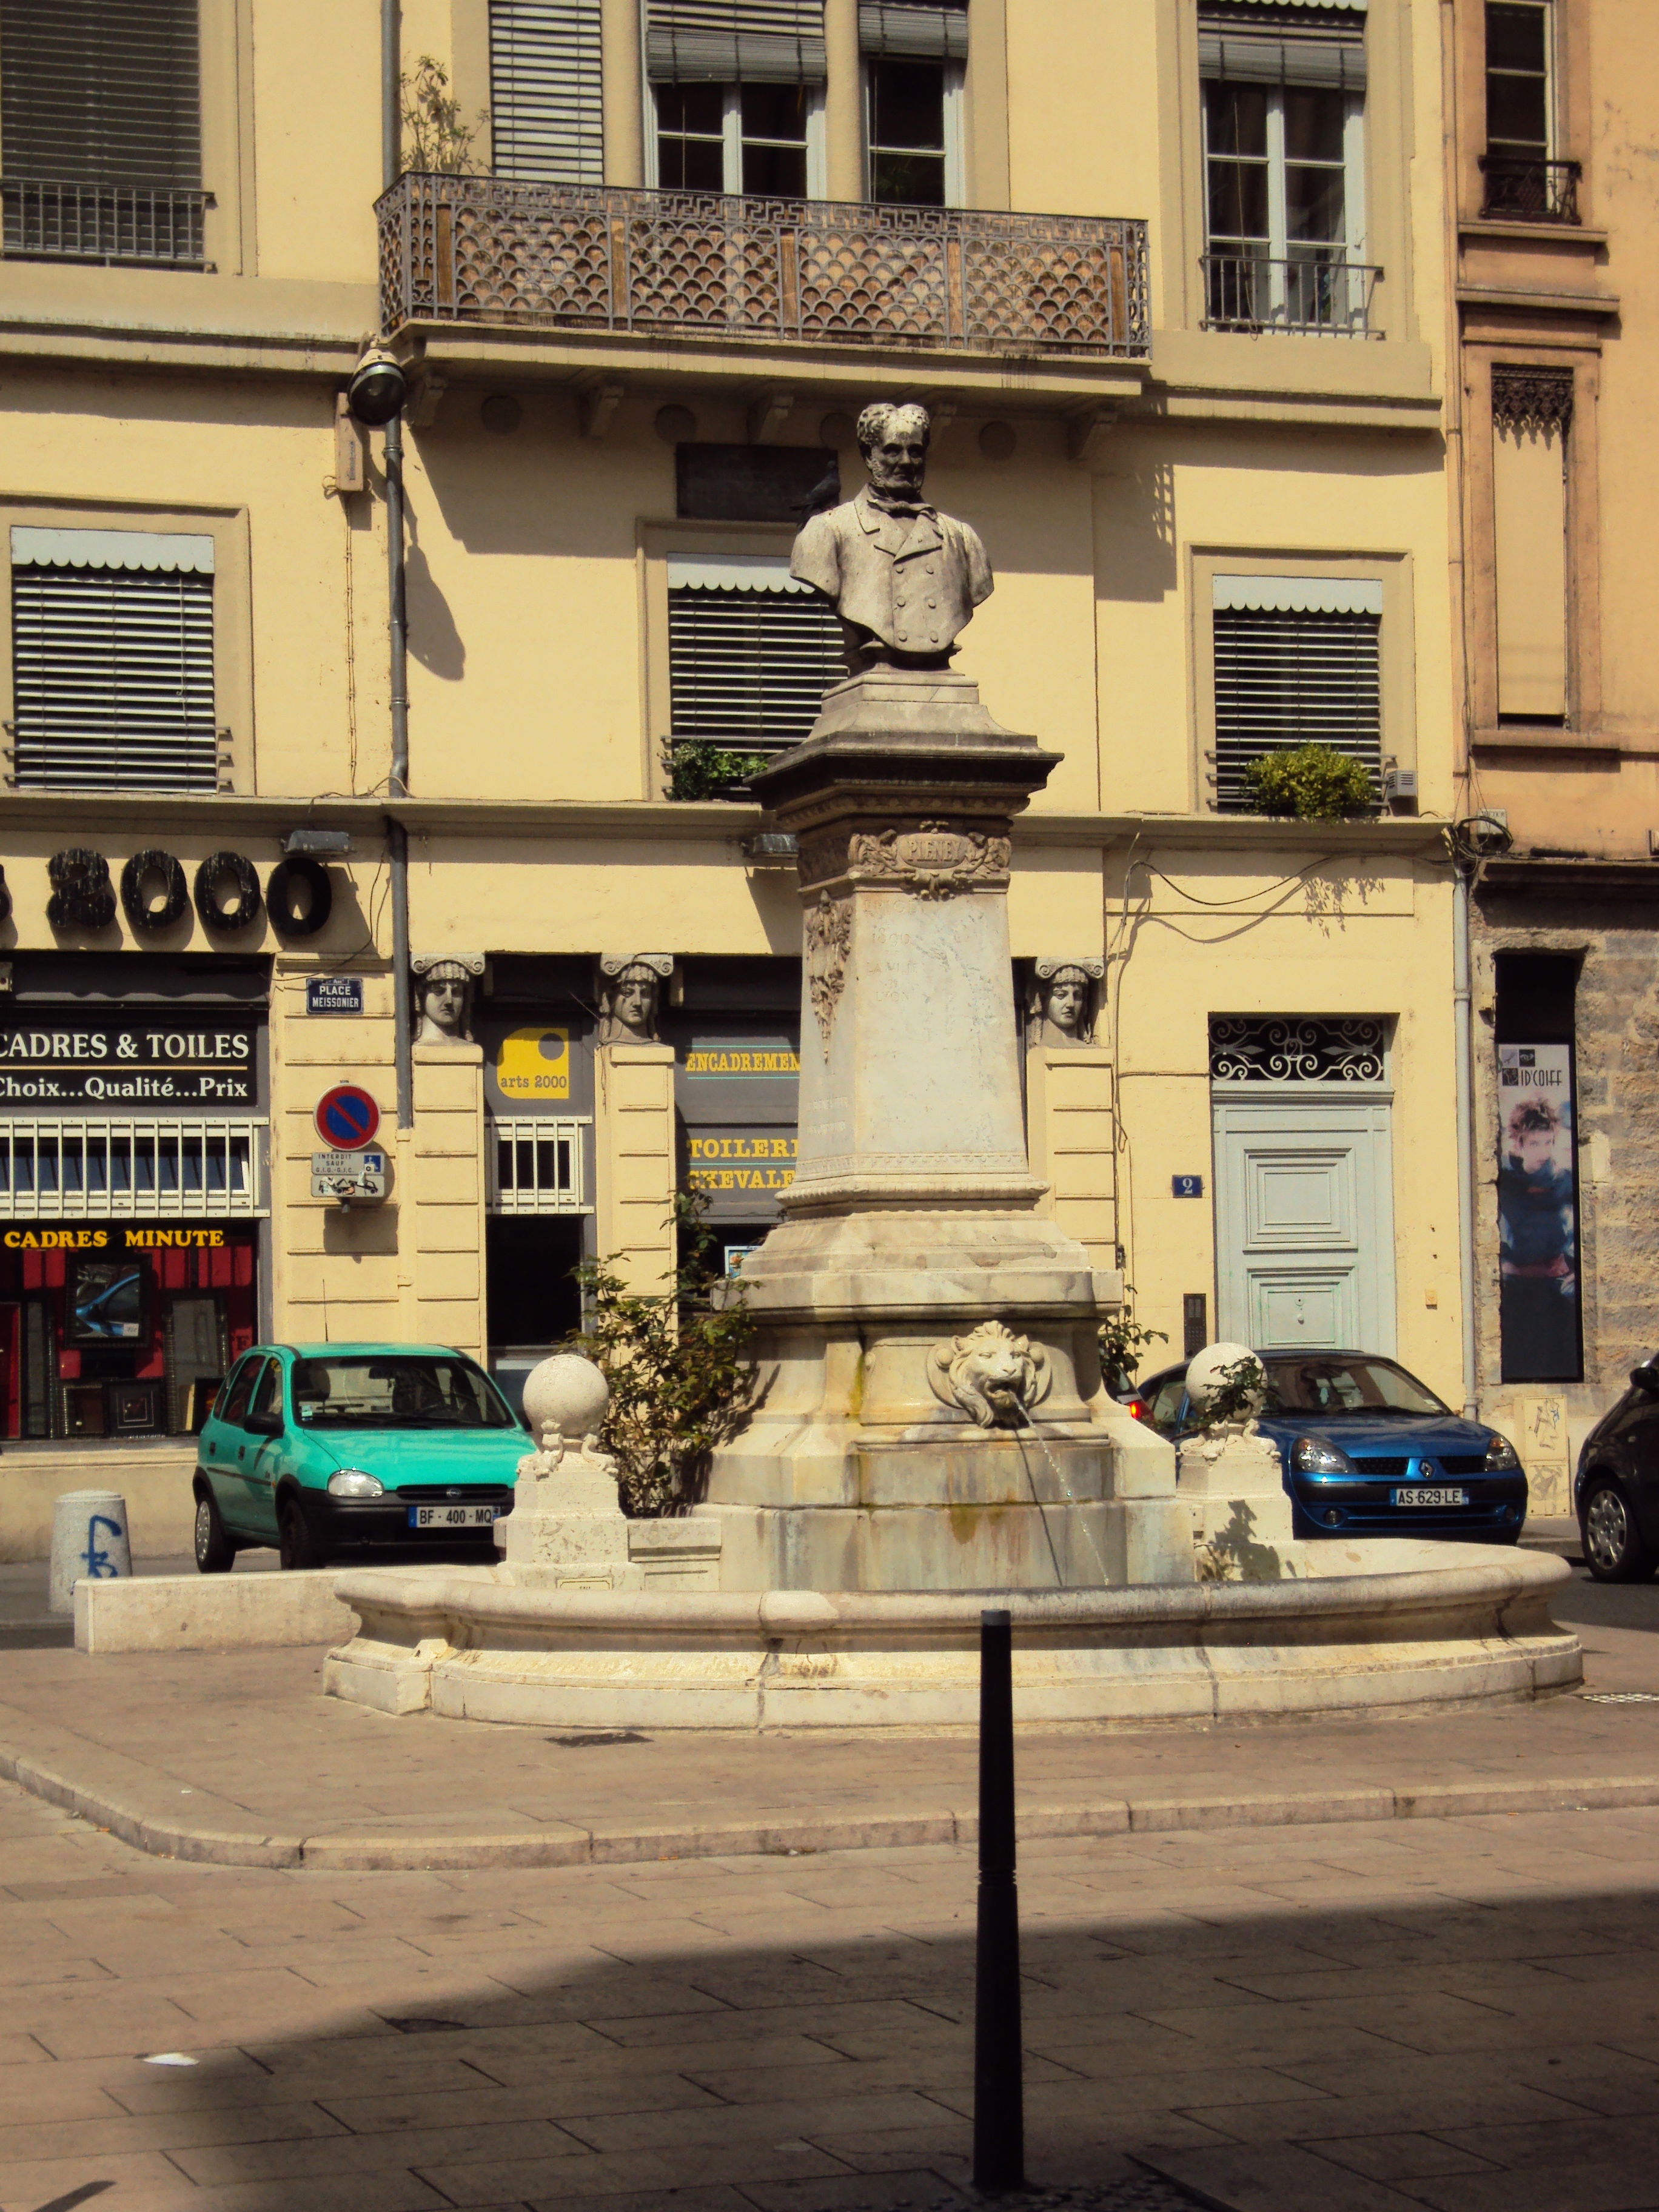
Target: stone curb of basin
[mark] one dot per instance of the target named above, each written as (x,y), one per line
(133,1803)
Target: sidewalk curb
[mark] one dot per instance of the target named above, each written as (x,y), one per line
(136,1816)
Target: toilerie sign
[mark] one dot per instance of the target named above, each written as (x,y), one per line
(127,1064)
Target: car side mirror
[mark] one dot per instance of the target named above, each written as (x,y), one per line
(262,1424)
(1646,1380)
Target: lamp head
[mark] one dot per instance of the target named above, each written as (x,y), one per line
(377,388)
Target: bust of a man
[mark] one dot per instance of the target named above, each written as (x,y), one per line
(904,578)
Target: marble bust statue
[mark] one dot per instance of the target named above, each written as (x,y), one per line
(904,578)
(630,991)
(443,996)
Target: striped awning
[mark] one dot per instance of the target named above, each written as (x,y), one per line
(1323,52)
(731,572)
(171,552)
(1309,595)
(912,30)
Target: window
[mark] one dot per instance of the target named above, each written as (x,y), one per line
(734,138)
(100,122)
(750,652)
(1298,661)
(112,660)
(1283,153)
(546,103)
(76,1169)
(536,1166)
(738,89)
(1532,414)
(912,71)
(1521,181)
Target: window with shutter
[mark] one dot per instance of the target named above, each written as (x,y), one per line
(750,652)
(100,129)
(113,661)
(1298,662)
(546,105)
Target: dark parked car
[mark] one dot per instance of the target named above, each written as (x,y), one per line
(1368,1450)
(1616,1492)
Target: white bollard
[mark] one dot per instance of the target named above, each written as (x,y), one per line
(90,1540)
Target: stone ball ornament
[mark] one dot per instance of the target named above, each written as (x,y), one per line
(1208,1375)
(567,1394)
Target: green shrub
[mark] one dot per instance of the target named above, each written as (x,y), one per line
(1123,1343)
(1314,783)
(681,1380)
(699,769)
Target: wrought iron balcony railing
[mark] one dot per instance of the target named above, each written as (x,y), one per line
(1324,295)
(46,220)
(481,250)
(1522,190)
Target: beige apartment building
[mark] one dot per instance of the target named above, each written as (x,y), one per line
(1551,123)
(1169,275)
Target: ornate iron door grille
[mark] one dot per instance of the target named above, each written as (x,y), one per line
(1298,1049)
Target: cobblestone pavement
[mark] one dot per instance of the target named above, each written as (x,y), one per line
(1461,2014)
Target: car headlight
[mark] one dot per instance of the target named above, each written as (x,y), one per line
(1502,1458)
(1309,1455)
(355,1482)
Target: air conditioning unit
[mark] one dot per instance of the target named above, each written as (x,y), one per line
(1399,783)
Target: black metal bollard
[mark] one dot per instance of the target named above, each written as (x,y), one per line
(999,2055)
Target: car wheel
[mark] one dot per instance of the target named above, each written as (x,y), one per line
(294,1547)
(215,1553)
(1615,1550)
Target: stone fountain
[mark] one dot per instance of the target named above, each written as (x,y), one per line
(931,1425)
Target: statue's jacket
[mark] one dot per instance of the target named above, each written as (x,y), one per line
(914,592)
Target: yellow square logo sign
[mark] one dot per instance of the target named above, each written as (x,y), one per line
(534,1064)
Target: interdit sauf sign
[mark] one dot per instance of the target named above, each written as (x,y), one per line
(127,1064)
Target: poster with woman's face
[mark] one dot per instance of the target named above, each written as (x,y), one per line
(1537,1213)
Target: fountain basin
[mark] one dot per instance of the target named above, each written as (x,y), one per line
(1383,1625)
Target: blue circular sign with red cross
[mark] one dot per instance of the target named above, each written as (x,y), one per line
(347,1118)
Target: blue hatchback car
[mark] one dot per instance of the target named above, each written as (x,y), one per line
(1368,1450)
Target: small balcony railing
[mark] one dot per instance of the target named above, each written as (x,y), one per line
(1518,189)
(44,219)
(1327,295)
(483,250)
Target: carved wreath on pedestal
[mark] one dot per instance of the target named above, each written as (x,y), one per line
(932,861)
(828,930)
(994,1376)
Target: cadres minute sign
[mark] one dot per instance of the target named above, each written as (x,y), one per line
(127,1063)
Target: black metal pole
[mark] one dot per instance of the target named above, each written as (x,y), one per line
(999,2057)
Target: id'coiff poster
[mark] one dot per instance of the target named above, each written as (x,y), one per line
(1537,1214)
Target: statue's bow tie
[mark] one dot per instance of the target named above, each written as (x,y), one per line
(901,510)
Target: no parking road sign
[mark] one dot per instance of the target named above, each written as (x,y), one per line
(347,1118)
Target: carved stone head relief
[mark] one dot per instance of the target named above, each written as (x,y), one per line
(630,995)
(1064,1002)
(444,984)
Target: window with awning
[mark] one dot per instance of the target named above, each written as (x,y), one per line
(1298,661)
(546,98)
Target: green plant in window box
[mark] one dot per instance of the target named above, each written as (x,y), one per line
(681,1379)
(1311,783)
(699,769)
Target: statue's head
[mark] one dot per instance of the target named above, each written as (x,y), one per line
(443,998)
(894,443)
(1066,1000)
(631,994)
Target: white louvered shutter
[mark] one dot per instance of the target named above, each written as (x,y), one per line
(749,662)
(901,30)
(112,662)
(546,103)
(1298,661)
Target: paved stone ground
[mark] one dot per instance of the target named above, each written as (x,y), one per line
(1457,2014)
(240,1744)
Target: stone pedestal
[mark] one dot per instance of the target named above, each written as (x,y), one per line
(1231,1486)
(932,1415)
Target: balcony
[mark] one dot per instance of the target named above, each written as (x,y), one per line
(495,254)
(1322,294)
(1518,189)
(44,219)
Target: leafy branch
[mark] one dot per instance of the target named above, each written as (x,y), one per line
(436,142)
(1123,1343)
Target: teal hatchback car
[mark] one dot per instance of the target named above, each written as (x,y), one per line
(331,1449)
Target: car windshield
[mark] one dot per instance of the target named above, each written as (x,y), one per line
(1332,1384)
(396,1390)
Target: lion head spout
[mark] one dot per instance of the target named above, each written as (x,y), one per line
(994,1376)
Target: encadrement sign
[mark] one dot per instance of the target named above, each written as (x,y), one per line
(1287,1048)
